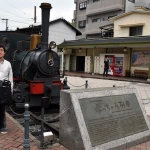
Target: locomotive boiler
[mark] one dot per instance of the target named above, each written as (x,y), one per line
(36,70)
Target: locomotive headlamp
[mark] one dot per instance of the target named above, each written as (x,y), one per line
(52,45)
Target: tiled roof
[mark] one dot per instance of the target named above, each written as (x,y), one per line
(117,40)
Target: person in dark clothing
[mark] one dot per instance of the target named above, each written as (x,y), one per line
(106,66)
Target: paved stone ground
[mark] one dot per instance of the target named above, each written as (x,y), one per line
(142,88)
(13,140)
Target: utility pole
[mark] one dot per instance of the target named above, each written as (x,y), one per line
(6,23)
(34,14)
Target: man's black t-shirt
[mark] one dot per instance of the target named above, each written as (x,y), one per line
(106,62)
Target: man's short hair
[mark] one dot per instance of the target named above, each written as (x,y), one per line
(1,46)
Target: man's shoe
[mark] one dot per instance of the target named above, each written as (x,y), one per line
(4,130)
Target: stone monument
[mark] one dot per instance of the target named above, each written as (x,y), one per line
(102,119)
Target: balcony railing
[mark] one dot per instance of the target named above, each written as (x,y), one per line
(95,27)
(104,6)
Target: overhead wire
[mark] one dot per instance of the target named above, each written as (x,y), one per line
(14,14)
(16,7)
(16,21)
(23,19)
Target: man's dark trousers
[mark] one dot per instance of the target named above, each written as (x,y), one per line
(2,115)
(105,71)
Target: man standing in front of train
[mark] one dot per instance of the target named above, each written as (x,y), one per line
(5,74)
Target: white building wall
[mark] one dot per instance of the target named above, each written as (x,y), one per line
(88,64)
(131,20)
(59,31)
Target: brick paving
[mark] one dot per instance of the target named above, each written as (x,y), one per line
(14,139)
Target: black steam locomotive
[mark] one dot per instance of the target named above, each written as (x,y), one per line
(36,70)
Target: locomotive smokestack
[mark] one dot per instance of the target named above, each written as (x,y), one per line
(45,24)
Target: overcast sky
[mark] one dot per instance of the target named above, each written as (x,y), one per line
(20,13)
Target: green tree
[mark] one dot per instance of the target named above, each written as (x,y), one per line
(72,23)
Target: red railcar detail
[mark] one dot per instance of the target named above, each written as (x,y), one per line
(36,87)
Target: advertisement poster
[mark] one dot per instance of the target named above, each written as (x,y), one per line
(118,68)
(111,64)
(140,58)
(110,70)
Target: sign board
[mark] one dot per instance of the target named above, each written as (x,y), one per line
(112,117)
(102,119)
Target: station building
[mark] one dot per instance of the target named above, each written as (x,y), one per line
(128,50)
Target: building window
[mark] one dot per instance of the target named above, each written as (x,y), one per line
(94,20)
(83,5)
(95,1)
(133,1)
(98,20)
(82,24)
(136,31)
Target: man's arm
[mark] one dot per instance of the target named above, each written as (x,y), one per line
(10,78)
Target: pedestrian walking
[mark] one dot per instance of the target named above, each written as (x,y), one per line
(5,74)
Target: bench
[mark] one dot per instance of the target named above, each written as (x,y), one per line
(140,73)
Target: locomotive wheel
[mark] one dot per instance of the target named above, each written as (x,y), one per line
(18,97)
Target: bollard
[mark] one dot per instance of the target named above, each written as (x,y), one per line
(86,84)
(26,145)
(65,83)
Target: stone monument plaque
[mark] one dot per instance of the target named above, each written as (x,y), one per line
(102,119)
(112,117)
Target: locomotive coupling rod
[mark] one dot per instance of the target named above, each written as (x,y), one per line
(47,125)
